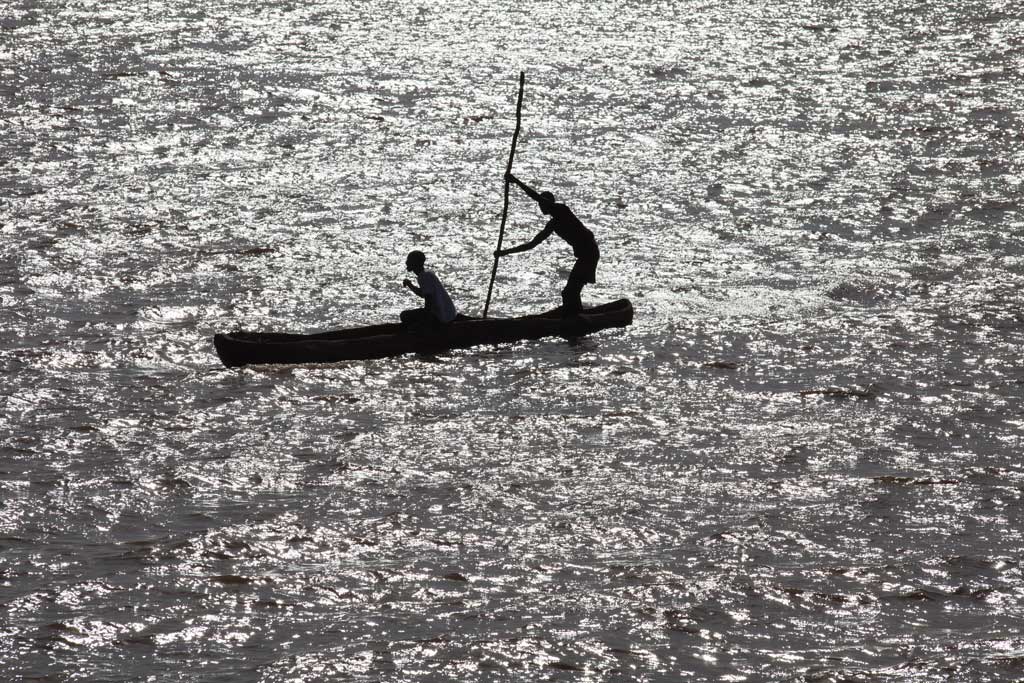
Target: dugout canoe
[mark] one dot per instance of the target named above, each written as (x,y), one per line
(380,341)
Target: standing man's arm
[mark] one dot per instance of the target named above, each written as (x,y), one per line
(527,246)
(533,194)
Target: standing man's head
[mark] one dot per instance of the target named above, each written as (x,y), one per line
(414,261)
(547,200)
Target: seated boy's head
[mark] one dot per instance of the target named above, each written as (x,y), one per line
(415,260)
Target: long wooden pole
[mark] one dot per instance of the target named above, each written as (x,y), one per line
(508,169)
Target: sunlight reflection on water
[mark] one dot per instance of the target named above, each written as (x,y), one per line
(800,461)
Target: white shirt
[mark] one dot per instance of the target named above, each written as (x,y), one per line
(438,301)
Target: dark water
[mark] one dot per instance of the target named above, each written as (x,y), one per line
(801,463)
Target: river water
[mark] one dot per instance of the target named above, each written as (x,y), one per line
(800,463)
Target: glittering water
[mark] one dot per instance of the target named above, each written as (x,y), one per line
(800,463)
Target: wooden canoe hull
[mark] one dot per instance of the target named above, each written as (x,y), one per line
(381,341)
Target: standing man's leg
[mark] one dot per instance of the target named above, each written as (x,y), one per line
(583,271)
(571,300)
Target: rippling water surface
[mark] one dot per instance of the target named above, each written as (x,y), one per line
(802,461)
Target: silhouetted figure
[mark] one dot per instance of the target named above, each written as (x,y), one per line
(438,308)
(563,223)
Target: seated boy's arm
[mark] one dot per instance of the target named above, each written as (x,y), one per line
(413,288)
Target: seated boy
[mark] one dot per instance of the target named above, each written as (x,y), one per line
(438,308)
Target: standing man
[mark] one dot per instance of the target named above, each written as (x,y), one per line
(563,222)
(438,308)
